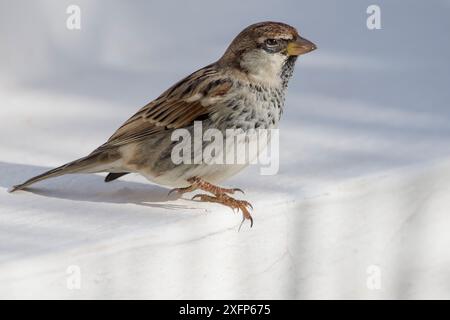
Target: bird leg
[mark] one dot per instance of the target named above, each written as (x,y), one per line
(221,196)
(191,188)
(198,183)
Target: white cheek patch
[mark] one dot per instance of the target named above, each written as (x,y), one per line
(263,66)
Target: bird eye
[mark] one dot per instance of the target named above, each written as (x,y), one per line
(271,42)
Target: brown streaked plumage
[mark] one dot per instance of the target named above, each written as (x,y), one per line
(244,89)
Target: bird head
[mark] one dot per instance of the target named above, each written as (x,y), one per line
(263,50)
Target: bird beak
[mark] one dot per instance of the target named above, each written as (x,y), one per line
(300,46)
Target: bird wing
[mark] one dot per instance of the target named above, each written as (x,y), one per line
(191,98)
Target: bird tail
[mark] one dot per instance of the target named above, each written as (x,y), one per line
(95,162)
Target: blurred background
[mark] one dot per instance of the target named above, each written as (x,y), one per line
(364,154)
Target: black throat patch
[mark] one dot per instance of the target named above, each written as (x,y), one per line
(287,70)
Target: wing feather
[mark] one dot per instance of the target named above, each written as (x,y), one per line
(177,107)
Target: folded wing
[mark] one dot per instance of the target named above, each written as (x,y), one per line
(190,99)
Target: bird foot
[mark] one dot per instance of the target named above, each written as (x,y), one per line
(230,202)
(220,195)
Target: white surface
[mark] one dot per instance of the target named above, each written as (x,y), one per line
(365,161)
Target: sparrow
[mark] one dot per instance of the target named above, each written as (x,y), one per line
(245,89)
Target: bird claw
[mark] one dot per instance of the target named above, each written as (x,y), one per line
(237,190)
(200,196)
(182,190)
(246,218)
(172,191)
(247,204)
(246,215)
(219,195)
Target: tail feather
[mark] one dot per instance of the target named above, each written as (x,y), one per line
(89,164)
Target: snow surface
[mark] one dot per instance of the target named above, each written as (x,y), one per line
(365,158)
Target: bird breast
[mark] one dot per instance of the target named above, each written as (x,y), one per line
(251,106)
